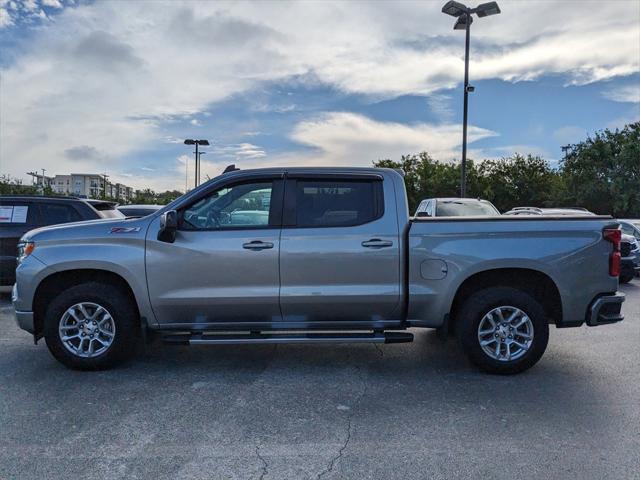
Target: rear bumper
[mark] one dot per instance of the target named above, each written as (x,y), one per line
(605,309)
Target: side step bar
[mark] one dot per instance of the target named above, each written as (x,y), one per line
(264,338)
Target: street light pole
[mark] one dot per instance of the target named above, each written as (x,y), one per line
(190,141)
(464,20)
(197,166)
(463,167)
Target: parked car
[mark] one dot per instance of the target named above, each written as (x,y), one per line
(630,227)
(106,208)
(566,211)
(456,207)
(630,261)
(21,213)
(138,210)
(338,260)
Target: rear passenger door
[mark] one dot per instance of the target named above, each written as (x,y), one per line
(339,251)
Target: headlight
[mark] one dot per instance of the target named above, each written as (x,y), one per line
(24,250)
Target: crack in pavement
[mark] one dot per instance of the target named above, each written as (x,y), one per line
(265,465)
(344,446)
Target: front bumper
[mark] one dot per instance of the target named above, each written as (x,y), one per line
(605,309)
(23,319)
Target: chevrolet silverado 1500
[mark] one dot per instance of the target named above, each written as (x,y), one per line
(314,255)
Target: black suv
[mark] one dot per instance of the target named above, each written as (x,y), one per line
(21,213)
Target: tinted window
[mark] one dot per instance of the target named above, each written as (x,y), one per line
(54,213)
(240,206)
(329,203)
(18,213)
(465,209)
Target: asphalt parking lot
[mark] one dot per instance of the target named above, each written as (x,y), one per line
(407,411)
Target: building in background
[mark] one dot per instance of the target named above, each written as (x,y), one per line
(89,185)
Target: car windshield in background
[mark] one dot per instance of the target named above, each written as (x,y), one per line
(111,213)
(138,211)
(452,208)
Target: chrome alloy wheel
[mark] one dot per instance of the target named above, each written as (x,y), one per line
(505,333)
(87,329)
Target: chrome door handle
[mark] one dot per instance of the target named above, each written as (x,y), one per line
(377,243)
(257,245)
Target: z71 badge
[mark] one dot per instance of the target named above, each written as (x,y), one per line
(125,229)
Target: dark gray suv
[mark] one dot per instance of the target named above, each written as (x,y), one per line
(21,213)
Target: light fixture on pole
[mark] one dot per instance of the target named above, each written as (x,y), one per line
(190,141)
(463,22)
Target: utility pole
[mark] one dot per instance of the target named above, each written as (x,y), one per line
(43,170)
(104,189)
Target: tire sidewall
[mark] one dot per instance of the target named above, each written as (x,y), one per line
(118,306)
(478,305)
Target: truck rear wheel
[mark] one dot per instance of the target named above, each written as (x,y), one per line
(503,330)
(91,326)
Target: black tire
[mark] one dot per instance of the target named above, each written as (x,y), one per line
(122,310)
(480,304)
(625,278)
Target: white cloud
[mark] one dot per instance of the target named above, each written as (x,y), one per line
(110,73)
(52,3)
(569,134)
(628,93)
(348,139)
(5,18)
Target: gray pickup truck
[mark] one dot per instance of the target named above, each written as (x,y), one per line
(314,255)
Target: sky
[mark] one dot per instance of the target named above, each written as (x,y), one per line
(116,86)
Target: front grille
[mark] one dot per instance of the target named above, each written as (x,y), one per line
(625,249)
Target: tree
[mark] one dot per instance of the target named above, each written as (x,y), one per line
(517,181)
(425,177)
(150,197)
(603,173)
(507,182)
(14,186)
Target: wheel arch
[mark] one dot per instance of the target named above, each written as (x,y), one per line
(539,284)
(55,283)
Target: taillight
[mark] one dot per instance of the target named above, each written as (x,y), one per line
(614,236)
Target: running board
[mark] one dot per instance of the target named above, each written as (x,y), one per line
(263,338)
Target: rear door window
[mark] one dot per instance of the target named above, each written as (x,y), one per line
(18,213)
(336,203)
(54,213)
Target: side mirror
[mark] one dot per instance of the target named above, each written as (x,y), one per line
(168,226)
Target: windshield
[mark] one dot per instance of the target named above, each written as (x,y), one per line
(452,208)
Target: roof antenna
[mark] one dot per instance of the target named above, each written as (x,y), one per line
(230,168)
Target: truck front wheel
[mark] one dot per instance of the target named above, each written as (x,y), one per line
(503,330)
(91,326)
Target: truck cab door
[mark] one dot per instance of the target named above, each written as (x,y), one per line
(222,269)
(339,251)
